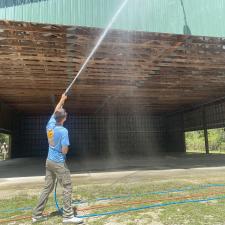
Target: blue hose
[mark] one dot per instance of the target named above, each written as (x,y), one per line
(151,206)
(152,193)
(117,197)
(60,210)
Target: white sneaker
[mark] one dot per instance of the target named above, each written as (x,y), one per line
(73,220)
(39,219)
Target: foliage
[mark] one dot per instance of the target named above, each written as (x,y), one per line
(4,138)
(216,140)
(195,141)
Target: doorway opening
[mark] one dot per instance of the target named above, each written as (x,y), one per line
(5,146)
(195,142)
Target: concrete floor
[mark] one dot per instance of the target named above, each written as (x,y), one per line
(30,167)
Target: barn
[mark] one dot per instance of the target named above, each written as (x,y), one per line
(158,74)
(146,113)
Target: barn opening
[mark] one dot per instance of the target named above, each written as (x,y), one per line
(5,146)
(195,142)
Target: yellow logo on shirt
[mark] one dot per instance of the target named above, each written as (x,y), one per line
(50,134)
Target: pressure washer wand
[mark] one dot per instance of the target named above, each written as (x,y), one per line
(97,45)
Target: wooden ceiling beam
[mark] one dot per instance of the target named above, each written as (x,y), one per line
(131,71)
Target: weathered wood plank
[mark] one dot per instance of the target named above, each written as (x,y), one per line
(131,71)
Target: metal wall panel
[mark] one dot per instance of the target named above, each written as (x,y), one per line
(193,120)
(6,117)
(175,134)
(119,136)
(95,136)
(214,114)
(204,17)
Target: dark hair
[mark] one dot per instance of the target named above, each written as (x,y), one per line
(60,115)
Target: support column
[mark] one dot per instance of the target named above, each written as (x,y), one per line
(183,130)
(205,130)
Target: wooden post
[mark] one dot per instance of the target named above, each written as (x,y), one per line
(183,131)
(205,131)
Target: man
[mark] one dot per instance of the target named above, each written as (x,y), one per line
(56,167)
(4,150)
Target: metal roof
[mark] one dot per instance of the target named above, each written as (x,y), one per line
(198,17)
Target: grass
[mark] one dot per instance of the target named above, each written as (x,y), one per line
(204,152)
(211,213)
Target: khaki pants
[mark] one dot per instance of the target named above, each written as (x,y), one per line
(61,172)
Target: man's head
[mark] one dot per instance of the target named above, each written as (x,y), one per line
(60,116)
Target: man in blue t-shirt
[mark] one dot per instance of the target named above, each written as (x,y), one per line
(58,141)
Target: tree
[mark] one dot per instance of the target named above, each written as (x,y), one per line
(4,138)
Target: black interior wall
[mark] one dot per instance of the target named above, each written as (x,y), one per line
(175,134)
(117,136)
(6,117)
(207,116)
(214,117)
(94,136)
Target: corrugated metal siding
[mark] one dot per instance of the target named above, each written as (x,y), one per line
(204,17)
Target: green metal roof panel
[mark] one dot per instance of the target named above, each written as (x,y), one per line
(204,17)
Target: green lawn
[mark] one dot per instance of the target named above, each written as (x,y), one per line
(135,186)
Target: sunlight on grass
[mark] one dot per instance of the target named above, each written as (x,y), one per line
(191,214)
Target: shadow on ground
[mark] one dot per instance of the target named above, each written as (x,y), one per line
(25,167)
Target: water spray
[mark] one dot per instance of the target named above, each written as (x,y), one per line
(83,67)
(97,45)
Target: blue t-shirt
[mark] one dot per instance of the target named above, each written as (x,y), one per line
(57,138)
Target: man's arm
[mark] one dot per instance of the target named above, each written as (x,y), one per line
(61,103)
(65,142)
(65,150)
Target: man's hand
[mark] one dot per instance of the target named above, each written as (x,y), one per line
(63,98)
(61,102)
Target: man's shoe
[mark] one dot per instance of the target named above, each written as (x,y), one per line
(37,219)
(73,219)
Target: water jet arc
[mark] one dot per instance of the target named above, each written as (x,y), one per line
(97,45)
